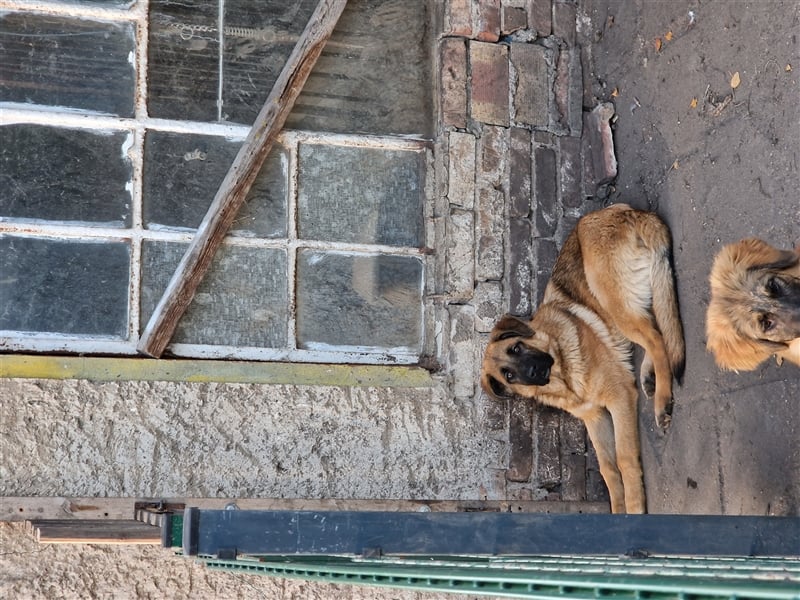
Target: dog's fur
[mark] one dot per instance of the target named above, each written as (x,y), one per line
(754,311)
(612,284)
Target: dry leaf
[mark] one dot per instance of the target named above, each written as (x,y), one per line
(788,68)
(615,93)
(735,80)
(675,165)
(658,44)
(693,103)
(668,36)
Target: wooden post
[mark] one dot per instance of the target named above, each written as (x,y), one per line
(234,188)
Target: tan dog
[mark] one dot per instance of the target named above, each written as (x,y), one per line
(612,284)
(754,311)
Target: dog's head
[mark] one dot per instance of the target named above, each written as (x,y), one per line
(754,309)
(516,360)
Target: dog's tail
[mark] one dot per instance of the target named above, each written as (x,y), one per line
(665,309)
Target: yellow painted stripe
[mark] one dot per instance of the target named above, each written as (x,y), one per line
(147,369)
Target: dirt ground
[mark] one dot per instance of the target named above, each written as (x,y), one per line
(708,134)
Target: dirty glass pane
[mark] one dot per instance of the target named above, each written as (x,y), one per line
(364,301)
(259,37)
(183,172)
(73,175)
(183,60)
(78,63)
(374,75)
(64,287)
(360,195)
(242,301)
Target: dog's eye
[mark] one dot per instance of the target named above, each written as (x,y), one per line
(509,375)
(774,288)
(516,348)
(767,323)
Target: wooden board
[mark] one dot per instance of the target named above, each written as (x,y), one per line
(29,508)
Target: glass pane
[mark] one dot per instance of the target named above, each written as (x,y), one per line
(183,172)
(363,301)
(360,195)
(183,60)
(79,63)
(65,175)
(242,300)
(64,287)
(259,37)
(374,75)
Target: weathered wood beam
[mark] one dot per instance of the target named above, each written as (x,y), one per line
(240,177)
(38,508)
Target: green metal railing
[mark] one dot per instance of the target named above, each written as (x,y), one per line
(579,577)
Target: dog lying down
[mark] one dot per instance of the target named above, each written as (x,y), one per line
(754,310)
(612,284)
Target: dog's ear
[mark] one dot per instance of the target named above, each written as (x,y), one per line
(732,351)
(756,255)
(495,388)
(510,326)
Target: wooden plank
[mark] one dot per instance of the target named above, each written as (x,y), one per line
(105,531)
(27,508)
(240,177)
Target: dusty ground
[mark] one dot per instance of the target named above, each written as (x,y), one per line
(718,163)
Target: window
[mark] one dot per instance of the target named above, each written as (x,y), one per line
(118,122)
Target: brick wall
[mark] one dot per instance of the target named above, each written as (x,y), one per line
(515,169)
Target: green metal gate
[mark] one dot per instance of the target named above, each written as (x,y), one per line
(504,554)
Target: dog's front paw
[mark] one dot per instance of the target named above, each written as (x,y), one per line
(664,418)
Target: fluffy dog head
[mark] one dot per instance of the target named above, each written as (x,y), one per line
(515,359)
(754,309)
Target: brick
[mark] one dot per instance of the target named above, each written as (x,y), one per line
(489,263)
(564,21)
(461,171)
(544,254)
(541,16)
(567,113)
(487,27)
(453,73)
(532,92)
(519,274)
(489,85)
(547,464)
(596,490)
(570,171)
(520,171)
(462,350)
(600,142)
(545,192)
(488,303)
(458,18)
(495,415)
(573,458)
(491,198)
(460,263)
(520,440)
(493,150)
(512,18)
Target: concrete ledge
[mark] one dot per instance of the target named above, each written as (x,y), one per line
(144,369)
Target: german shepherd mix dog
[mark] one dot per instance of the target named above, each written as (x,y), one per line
(612,284)
(754,311)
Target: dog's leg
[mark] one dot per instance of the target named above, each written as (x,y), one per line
(626,437)
(600,428)
(641,331)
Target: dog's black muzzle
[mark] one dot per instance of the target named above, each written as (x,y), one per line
(534,367)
